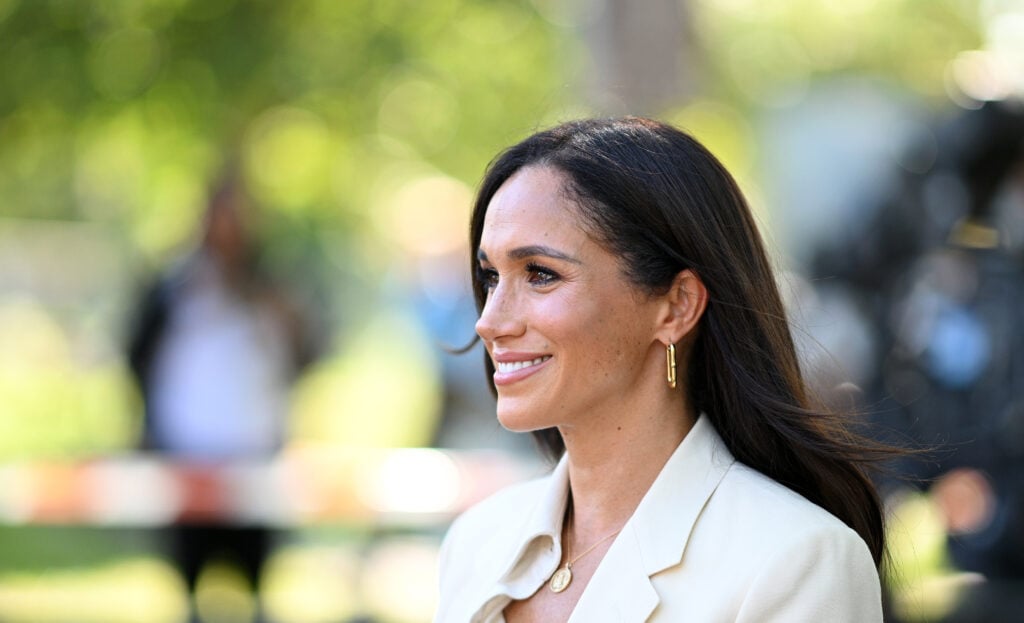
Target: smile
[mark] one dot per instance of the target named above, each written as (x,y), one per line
(506,367)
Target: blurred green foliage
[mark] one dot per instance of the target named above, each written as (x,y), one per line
(357,124)
(122,110)
(121,113)
(765,54)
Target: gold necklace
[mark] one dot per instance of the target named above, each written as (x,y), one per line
(561,579)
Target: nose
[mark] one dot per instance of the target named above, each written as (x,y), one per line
(501,315)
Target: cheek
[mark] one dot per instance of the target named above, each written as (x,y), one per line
(604,345)
(624,336)
(561,320)
(597,331)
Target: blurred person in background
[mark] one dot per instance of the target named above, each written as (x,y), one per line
(937,270)
(632,323)
(215,346)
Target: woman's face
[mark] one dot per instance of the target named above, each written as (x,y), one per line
(571,340)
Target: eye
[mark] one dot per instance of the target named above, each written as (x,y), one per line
(487,278)
(541,276)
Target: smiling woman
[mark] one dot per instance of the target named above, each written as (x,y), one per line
(632,324)
(566,334)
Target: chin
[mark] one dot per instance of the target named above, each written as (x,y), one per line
(517,418)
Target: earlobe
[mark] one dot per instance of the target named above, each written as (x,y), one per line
(687,299)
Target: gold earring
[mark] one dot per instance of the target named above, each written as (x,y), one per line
(670,365)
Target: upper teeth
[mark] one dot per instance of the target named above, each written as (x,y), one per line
(512,366)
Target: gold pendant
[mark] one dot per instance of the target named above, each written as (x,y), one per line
(560,580)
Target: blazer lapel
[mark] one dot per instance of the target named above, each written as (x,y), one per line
(665,517)
(655,537)
(620,589)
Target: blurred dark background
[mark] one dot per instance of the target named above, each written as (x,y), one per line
(878,141)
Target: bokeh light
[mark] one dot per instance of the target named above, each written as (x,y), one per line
(288,157)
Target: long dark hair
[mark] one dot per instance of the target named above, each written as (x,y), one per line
(658,199)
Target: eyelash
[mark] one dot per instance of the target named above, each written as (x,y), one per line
(538,275)
(487,277)
(549,275)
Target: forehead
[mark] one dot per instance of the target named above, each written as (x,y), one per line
(532,207)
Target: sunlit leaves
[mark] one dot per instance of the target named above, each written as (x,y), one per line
(125,62)
(381,391)
(420,111)
(762,47)
(288,157)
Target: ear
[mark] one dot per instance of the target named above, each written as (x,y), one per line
(684,305)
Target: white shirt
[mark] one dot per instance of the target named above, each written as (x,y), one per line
(712,540)
(221,377)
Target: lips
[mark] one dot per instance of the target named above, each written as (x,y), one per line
(510,368)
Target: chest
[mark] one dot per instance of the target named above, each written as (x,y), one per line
(549,606)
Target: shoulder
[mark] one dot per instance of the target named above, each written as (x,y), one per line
(768,518)
(779,511)
(810,566)
(772,555)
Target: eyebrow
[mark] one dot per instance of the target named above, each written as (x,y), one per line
(533,250)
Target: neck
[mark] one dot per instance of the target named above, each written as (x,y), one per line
(613,464)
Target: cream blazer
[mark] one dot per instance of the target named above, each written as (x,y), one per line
(712,540)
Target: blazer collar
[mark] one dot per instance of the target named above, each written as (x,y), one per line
(666,515)
(655,537)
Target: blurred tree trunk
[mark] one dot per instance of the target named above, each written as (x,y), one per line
(644,57)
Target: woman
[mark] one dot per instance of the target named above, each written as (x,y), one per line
(632,323)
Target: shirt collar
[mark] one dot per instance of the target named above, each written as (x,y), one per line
(528,559)
(541,532)
(658,530)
